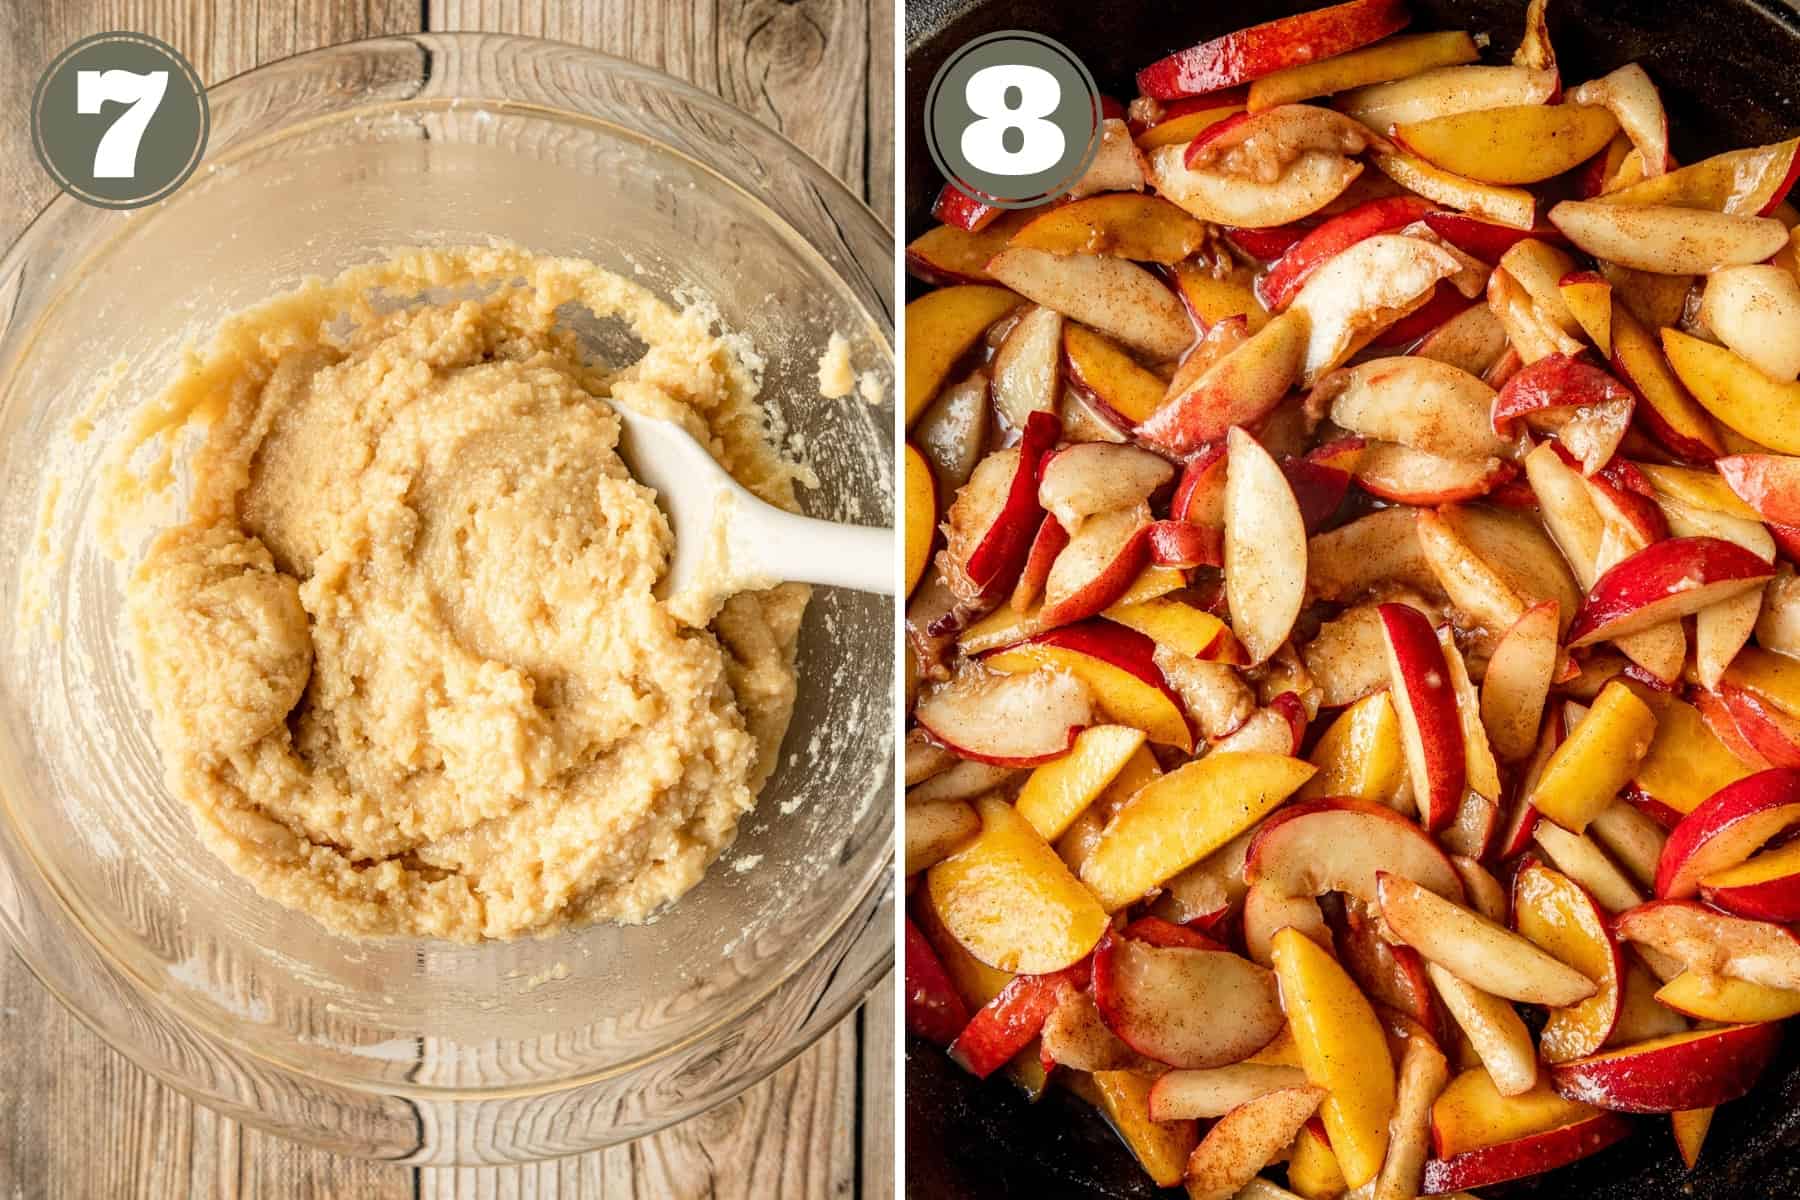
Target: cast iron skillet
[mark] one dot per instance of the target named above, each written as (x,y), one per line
(1729,71)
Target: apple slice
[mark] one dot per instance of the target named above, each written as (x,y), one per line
(1561,918)
(1247,1139)
(1483,954)
(937,829)
(1117,165)
(1313,180)
(1187,1094)
(1380,548)
(1517,683)
(1058,792)
(1667,240)
(1473,826)
(956,207)
(1417,402)
(1493,1028)
(1672,414)
(1512,145)
(1430,726)
(1272,46)
(1712,944)
(1730,1001)
(1265,548)
(1485,240)
(1444,92)
(1009,900)
(1116,297)
(1665,581)
(952,432)
(1503,205)
(1698,1069)
(1596,759)
(1344,660)
(1340,844)
(1768,483)
(1186,1007)
(1120,224)
(1392,59)
(1074,1036)
(1752,181)
(1634,838)
(934,1010)
(941,326)
(1343,1049)
(1284,278)
(1175,821)
(1007,720)
(1534,332)
(1239,389)
(1102,373)
(1632,98)
(1362,290)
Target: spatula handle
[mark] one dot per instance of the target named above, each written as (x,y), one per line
(780,545)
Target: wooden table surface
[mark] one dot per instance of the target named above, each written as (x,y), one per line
(77,1120)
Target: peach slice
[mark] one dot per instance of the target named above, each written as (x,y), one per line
(1116,664)
(1474,584)
(1359,754)
(921,515)
(1009,900)
(1175,821)
(1430,725)
(956,207)
(1183,124)
(1712,944)
(1667,240)
(1265,548)
(1006,1025)
(946,255)
(1588,298)
(1117,165)
(1117,297)
(1098,478)
(1212,298)
(1120,224)
(1382,547)
(1596,759)
(1471,341)
(1187,1094)
(1006,720)
(1057,792)
(977,984)
(1582,860)
(1493,1029)
(1560,917)
(1768,483)
(1698,1069)
(1285,277)
(1517,683)
(1727,829)
(934,1011)
(1482,1137)
(1673,415)
(1162,1148)
(1392,59)
(1482,773)
(1633,837)
(1665,581)
(1099,370)
(941,326)
(1247,1139)
(1177,624)
(1632,98)
(953,430)
(1446,91)
(1272,46)
(1025,367)
(1308,184)
(1751,181)
(935,830)
(1362,290)
(1341,844)
(1729,1001)
(1539,268)
(1513,145)
(1417,402)
(1689,1126)
(1766,887)
(1406,476)
(1184,1006)
(1504,205)
(1239,389)
(991,524)
(1755,311)
(1423,1074)
(1590,407)
(1483,954)
(1686,762)
(1343,1050)
(1313,1170)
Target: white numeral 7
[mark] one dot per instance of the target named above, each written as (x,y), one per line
(116,155)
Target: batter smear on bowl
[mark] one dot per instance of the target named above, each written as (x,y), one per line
(405,656)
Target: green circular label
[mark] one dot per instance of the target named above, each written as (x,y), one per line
(119,120)
(1013,119)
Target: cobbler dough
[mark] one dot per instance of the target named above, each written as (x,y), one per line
(404,657)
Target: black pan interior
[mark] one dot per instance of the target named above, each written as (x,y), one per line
(1729,71)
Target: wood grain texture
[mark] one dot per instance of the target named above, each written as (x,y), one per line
(77,1120)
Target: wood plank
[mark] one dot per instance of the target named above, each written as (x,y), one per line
(880,1069)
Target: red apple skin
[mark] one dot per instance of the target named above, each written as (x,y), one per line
(1759,797)
(1718,717)
(1656,573)
(1772,735)
(1526,1156)
(1282,282)
(1200,492)
(1421,660)
(1179,544)
(1046,544)
(1264,49)
(1446,302)
(934,1010)
(1486,240)
(954,207)
(1007,1023)
(1698,1073)
(1318,489)
(1266,245)
(1556,381)
(997,560)
(1769,483)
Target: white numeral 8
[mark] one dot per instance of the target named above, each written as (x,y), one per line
(984,142)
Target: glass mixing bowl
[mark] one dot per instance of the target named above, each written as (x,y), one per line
(415,1050)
